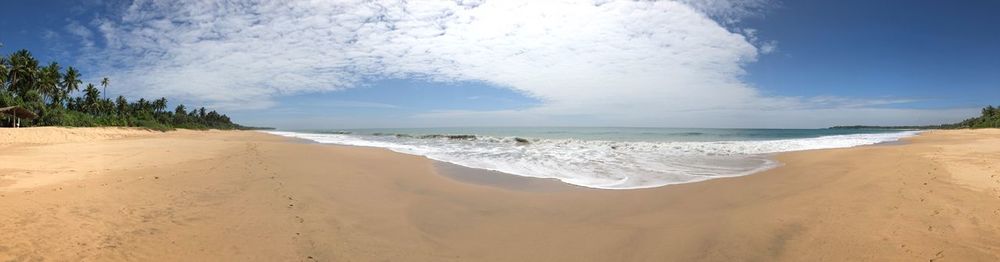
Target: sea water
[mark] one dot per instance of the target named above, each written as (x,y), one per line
(605,157)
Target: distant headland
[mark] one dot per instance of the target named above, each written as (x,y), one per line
(989,118)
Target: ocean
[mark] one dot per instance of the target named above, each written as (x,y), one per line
(605,157)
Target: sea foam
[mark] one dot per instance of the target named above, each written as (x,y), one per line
(601,164)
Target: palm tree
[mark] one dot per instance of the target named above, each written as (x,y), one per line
(71,82)
(49,82)
(107,107)
(104,83)
(3,72)
(201,113)
(180,111)
(91,98)
(122,105)
(23,71)
(160,104)
(140,106)
(77,104)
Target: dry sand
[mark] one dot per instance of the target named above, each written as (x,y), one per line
(248,196)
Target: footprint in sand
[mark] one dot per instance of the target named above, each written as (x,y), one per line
(939,255)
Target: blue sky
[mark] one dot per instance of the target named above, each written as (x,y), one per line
(339,64)
(932,51)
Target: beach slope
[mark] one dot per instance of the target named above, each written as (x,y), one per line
(123,194)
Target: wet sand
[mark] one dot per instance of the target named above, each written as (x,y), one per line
(249,196)
(501,180)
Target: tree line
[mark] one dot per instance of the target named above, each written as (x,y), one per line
(990,117)
(55,95)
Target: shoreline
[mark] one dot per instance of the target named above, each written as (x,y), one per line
(497,179)
(243,195)
(470,175)
(504,180)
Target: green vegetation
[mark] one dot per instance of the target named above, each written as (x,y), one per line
(990,118)
(48,91)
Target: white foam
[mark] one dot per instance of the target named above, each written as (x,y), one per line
(605,164)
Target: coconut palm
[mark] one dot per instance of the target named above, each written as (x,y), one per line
(104,83)
(71,82)
(141,106)
(48,82)
(3,72)
(122,105)
(180,111)
(160,104)
(91,99)
(23,72)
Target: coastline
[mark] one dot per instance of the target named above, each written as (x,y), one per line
(240,195)
(612,163)
(463,171)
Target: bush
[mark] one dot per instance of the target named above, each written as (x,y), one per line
(154,125)
(74,118)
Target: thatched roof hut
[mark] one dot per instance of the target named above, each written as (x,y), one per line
(17,113)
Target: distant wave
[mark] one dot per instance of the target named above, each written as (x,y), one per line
(597,163)
(688,134)
(516,140)
(336,132)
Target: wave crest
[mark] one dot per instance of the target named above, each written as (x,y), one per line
(601,164)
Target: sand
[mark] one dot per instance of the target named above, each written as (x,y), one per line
(249,196)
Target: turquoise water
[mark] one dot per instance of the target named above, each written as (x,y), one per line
(605,157)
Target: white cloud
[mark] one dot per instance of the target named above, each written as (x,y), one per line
(768,47)
(632,60)
(82,32)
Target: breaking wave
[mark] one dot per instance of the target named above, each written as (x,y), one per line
(597,163)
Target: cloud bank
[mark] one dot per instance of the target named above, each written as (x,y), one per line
(613,62)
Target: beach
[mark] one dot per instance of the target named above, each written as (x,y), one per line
(97,194)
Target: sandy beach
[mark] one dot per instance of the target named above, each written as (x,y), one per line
(126,194)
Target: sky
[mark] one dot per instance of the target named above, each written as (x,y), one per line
(686,63)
